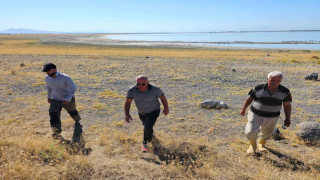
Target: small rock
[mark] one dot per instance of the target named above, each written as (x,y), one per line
(22,65)
(213,104)
(276,135)
(147,56)
(312,76)
(309,131)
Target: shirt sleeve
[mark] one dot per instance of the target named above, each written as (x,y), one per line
(159,92)
(49,89)
(252,93)
(71,87)
(129,94)
(288,98)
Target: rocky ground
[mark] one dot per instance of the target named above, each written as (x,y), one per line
(191,142)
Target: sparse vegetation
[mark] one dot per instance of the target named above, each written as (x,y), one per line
(295,61)
(190,143)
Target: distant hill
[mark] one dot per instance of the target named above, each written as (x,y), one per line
(26,31)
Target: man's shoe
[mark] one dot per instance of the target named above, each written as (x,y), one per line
(253,147)
(144,148)
(262,145)
(57,136)
(77,124)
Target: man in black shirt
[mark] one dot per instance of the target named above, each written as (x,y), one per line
(265,110)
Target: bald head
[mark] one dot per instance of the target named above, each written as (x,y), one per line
(275,74)
(142,77)
(142,83)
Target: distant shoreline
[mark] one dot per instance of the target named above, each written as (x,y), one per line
(102,39)
(220,42)
(123,33)
(5,32)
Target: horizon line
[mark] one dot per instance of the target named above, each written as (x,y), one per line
(160,32)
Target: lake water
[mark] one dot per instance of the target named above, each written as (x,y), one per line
(213,39)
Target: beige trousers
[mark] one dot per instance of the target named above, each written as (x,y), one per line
(255,121)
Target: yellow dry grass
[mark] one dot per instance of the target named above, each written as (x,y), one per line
(190,143)
(10,45)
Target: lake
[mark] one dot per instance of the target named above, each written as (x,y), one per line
(278,40)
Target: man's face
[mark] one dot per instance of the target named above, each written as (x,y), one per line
(142,84)
(51,72)
(274,82)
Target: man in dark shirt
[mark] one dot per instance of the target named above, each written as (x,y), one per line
(146,98)
(265,110)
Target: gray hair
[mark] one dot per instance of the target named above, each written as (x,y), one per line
(275,74)
(142,77)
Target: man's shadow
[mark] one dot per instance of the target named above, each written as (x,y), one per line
(162,152)
(285,161)
(78,144)
(185,158)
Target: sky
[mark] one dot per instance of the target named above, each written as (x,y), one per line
(159,15)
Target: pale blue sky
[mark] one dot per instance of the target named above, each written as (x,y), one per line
(159,16)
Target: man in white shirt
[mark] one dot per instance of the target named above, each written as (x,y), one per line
(61,91)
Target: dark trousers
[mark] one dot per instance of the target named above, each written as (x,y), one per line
(148,120)
(55,113)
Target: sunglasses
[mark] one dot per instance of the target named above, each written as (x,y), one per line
(143,84)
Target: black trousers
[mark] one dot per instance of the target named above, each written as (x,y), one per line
(148,121)
(55,113)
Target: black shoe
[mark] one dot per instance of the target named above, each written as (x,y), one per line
(57,136)
(77,124)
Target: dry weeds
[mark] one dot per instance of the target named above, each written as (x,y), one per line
(190,143)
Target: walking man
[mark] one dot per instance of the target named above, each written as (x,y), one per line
(265,110)
(145,97)
(61,91)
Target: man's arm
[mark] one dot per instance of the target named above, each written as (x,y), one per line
(287,112)
(71,87)
(49,91)
(246,104)
(127,106)
(165,105)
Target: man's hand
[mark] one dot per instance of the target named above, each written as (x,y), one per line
(49,100)
(127,105)
(166,111)
(243,112)
(287,122)
(245,105)
(287,112)
(128,118)
(65,102)
(165,105)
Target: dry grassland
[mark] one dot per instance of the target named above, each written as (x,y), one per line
(190,143)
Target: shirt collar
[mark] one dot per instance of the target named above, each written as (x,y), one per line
(149,86)
(57,74)
(266,88)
